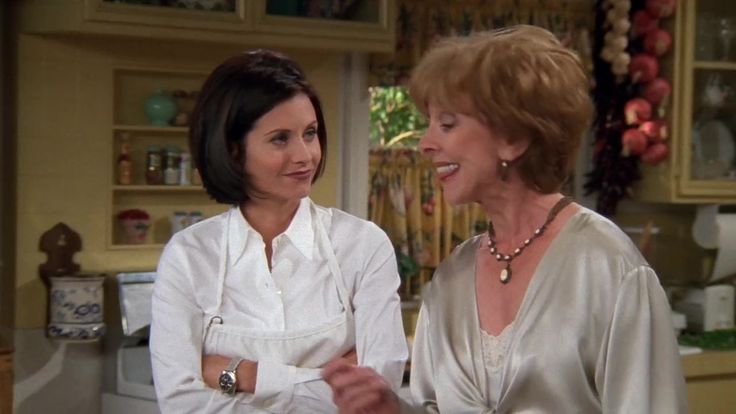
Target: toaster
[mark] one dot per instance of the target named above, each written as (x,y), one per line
(709,308)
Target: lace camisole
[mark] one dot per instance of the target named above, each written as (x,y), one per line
(495,349)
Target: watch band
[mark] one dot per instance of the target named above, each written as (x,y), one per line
(233,364)
(228,380)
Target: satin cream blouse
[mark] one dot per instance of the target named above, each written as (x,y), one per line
(593,334)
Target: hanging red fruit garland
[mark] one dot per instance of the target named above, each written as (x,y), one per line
(644,71)
(631,96)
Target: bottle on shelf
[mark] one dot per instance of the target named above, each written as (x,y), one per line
(124,163)
(154,173)
(179,221)
(185,169)
(171,170)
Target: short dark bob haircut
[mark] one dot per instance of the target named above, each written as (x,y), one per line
(235,95)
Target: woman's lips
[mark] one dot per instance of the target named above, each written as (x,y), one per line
(444,171)
(300,175)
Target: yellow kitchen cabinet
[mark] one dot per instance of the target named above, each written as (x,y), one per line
(358,25)
(711,382)
(702,164)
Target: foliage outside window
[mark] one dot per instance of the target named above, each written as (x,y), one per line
(395,121)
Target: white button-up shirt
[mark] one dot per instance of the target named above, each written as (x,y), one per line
(298,292)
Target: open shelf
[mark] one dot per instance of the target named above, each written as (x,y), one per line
(132,87)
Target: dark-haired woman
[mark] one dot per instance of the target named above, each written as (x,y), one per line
(249,305)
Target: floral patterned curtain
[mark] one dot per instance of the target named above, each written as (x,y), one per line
(406,201)
(419,23)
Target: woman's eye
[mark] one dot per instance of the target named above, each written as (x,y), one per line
(310,134)
(280,139)
(446,126)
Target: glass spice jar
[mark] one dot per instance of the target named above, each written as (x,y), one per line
(171,170)
(154,172)
(185,169)
(179,221)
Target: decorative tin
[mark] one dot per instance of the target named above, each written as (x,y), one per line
(75,308)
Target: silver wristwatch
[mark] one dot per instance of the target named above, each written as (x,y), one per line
(229,377)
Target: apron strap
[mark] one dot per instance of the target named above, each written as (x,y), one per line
(329,253)
(222,268)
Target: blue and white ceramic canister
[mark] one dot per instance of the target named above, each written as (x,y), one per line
(75,308)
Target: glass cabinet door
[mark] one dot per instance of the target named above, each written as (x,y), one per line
(359,24)
(713,125)
(366,11)
(710,94)
(217,15)
(226,6)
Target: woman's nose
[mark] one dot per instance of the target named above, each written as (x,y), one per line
(427,143)
(300,151)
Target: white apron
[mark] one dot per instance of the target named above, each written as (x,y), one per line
(306,348)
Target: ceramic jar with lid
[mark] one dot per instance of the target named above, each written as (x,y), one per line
(76,308)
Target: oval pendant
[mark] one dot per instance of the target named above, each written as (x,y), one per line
(505,275)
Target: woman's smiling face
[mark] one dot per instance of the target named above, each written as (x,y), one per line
(465,154)
(282,151)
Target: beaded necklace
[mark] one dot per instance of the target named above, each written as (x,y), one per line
(505,275)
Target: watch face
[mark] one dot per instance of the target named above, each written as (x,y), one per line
(227,382)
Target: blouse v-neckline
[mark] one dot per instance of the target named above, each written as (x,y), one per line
(534,286)
(533,282)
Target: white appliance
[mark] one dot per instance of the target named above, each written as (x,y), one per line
(709,308)
(134,390)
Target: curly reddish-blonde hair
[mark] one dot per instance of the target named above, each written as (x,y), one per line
(522,83)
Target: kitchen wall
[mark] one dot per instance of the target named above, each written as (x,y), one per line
(673,253)
(64,106)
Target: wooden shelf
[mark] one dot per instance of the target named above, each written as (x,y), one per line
(157,188)
(714,65)
(151,128)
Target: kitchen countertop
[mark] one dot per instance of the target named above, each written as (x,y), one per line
(710,378)
(708,363)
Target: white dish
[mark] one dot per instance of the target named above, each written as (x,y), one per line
(689,350)
(713,149)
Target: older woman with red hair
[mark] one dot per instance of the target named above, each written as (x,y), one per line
(553,309)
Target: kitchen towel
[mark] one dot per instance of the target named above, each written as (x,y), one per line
(714,230)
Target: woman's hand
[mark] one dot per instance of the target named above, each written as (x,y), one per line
(350,356)
(213,365)
(359,390)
